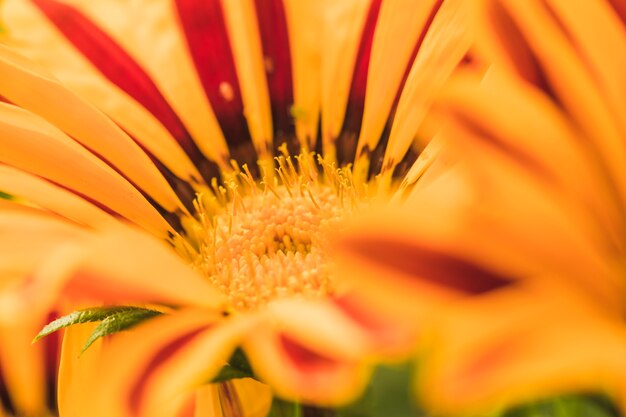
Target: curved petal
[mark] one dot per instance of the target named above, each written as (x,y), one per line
(30,31)
(145,371)
(445,44)
(307,358)
(28,142)
(519,348)
(47,98)
(126,266)
(58,200)
(399,32)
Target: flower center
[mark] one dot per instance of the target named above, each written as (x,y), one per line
(268,240)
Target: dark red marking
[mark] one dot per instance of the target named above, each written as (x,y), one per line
(304,359)
(118,67)
(428,265)
(346,143)
(619,6)
(205,29)
(276,51)
(136,395)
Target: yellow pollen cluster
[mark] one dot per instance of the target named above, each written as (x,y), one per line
(269,240)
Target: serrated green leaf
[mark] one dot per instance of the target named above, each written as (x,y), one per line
(80,316)
(117,322)
(237,367)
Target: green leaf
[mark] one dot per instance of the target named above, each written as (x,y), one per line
(118,322)
(388,395)
(566,406)
(282,408)
(237,367)
(3,195)
(80,316)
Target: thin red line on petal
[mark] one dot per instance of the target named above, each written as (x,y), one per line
(276,51)
(118,67)
(376,155)
(205,29)
(137,394)
(427,265)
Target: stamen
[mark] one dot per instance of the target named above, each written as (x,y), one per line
(269,239)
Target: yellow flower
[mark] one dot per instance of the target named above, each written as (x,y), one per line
(115,115)
(540,206)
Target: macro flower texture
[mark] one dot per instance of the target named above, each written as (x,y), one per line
(539,205)
(190,162)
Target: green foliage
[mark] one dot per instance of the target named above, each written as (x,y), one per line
(566,406)
(3,195)
(388,395)
(113,320)
(119,321)
(237,367)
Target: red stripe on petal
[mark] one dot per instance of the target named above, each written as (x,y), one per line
(276,50)
(620,9)
(205,29)
(117,66)
(346,144)
(388,334)
(305,360)
(427,265)
(137,394)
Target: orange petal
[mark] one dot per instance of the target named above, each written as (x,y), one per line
(31,33)
(303,366)
(128,266)
(145,371)
(28,142)
(445,44)
(47,98)
(519,348)
(58,200)
(400,27)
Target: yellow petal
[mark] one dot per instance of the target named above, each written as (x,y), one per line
(585,103)
(445,44)
(55,199)
(521,347)
(127,266)
(28,142)
(167,61)
(143,371)
(549,147)
(23,366)
(296,365)
(305,22)
(33,35)
(243,31)
(48,99)
(398,29)
(345,21)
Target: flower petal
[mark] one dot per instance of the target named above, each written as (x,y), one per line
(45,194)
(79,120)
(517,348)
(445,44)
(343,32)
(126,266)
(144,372)
(28,142)
(30,31)
(399,32)
(307,358)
